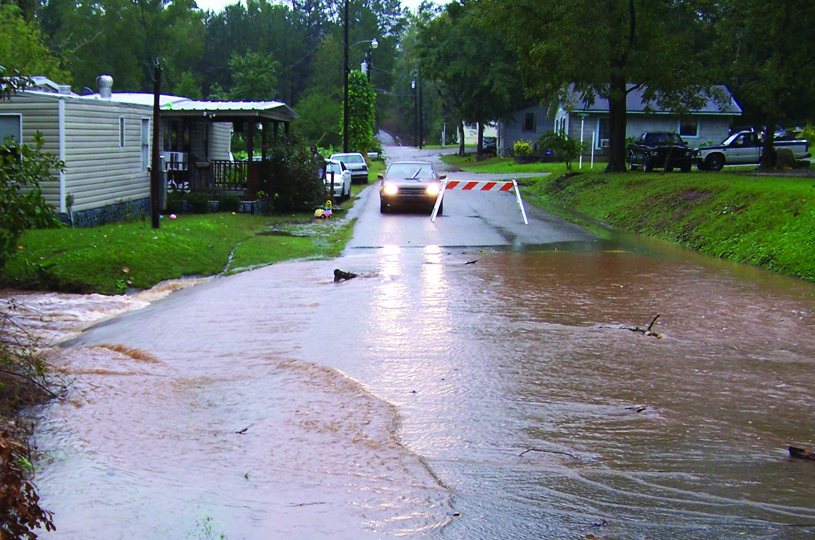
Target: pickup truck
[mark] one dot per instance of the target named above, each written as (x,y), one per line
(743,148)
(660,149)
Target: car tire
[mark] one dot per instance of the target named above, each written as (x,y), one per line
(631,165)
(383,207)
(646,164)
(715,162)
(669,167)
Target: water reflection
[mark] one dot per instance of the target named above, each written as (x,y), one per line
(509,374)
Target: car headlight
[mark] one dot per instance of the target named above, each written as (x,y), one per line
(433,189)
(390,189)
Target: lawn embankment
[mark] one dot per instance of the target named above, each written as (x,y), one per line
(499,165)
(759,219)
(113,258)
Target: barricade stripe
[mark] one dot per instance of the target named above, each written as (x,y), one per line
(488,186)
(507,186)
(452,184)
(470,185)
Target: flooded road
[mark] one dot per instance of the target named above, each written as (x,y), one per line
(449,391)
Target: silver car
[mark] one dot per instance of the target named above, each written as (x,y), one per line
(409,184)
(356,164)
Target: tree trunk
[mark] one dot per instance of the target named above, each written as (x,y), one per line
(617,124)
(767,150)
(461,138)
(479,149)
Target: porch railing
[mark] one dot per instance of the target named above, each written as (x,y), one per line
(243,178)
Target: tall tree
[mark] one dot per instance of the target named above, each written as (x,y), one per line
(22,49)
(470,67)
(770,71)
(608,48)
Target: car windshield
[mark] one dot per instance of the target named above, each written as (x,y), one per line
(663,138)
(351,158)
(418,171)
(333,168)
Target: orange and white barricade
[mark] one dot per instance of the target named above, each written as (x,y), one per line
(480,185)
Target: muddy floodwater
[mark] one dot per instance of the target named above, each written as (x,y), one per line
(443,393)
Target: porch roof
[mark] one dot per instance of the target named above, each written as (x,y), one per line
(228,111)
(635,105)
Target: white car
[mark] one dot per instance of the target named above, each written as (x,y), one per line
(355,163)
(342,179)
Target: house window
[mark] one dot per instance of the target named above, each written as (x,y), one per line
(529,122)
(603,132)
(11,128)
(121,132)
(689,127)
(145,144)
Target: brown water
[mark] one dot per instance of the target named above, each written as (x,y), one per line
(431,397)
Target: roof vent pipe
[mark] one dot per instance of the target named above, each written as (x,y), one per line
(105,84)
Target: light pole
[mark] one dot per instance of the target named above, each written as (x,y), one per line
(346,70)
(415,112)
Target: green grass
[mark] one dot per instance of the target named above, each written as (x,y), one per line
(762,220)
(501,165)
(111,258)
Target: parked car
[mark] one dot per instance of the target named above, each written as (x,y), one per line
(489,145)
(411,184)
(660,149)
(342,179)
(744,148)
(355,163)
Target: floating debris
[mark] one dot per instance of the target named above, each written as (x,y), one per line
(340,275)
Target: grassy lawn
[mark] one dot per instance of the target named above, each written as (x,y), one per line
(110,258)
(758,219)
(501,165)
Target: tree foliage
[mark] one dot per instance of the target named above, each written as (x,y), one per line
(361,112)
(771,72)
(22,170)
(22,49)
(563,147)
(469,65)
(608,48)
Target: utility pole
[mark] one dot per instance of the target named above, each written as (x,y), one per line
(154,172)
(345,145)
(421,123)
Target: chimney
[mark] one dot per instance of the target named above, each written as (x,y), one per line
(105,84)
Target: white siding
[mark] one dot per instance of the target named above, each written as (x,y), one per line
(98,171)
(39,115)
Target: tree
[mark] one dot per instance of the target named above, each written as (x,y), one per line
(608,48)
(470,67)
(254,76)
(770,71)
(187,86)
(361,113)
(22,50)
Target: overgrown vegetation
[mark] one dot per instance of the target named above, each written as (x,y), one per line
(112,258)
(22,169)
(765,220)
(298,185)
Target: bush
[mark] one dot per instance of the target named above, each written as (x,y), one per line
(198,202)
(523,148)
(229,202)
(296,183)
(22,206)
(175,202)
(563,147)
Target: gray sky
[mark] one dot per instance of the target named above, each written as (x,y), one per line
(218,5)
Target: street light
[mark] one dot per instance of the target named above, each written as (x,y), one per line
(346,70)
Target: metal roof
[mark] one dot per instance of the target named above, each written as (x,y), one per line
(273,110)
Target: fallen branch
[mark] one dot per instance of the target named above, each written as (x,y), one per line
(645,331)
(548,452)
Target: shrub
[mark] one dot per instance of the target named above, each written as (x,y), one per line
(563,147)
(523,148)
(198,202)
(229,202)
(22,206)
(175,202)
(296,183)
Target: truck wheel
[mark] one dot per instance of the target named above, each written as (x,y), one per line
(383,207)
(631,165)
(647,166)
(715,162)
(669,167)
